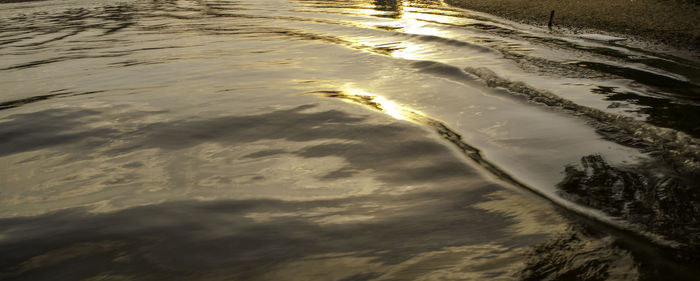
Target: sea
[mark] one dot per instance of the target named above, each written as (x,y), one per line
(340,140)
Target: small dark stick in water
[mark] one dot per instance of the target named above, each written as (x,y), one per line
(551,17)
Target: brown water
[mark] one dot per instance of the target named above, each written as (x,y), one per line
(338,140)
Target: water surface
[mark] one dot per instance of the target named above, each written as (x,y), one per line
(338,140)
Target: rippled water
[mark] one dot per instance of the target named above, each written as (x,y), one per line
(338,140)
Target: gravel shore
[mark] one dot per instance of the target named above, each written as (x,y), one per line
(672,22)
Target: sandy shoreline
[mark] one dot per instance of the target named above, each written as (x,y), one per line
(672,22)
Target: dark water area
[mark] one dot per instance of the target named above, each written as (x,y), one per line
(338,140)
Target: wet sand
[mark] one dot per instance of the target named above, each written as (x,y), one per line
(670,22)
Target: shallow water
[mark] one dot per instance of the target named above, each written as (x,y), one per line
(338,140)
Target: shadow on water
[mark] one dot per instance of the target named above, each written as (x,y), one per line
(584,253)
(203,240)
(660,200)
(661,112)
(654,199)
(681,88)
(433,235)
(675,105)
(52,128)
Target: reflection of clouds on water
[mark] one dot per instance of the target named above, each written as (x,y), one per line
(192,239)
(52,127)
(301,152)
(428,235)
(529,213)
(370,197)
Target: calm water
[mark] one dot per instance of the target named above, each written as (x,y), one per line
(338,140)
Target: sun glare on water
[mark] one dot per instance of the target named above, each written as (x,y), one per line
(390,107)
(383,104)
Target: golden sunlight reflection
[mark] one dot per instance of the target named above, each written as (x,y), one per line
(410,22)
(390,107)
(391,8)
(379,103)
